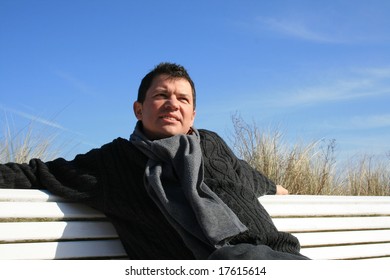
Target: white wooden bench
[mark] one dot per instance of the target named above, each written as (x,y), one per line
(335,227)
(37,225)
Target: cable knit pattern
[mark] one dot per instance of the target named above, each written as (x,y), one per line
(110,179)
(239,186)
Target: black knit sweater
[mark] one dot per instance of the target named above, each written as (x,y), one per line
(110,179)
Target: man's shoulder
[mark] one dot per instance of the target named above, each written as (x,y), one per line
(210,136)
(117,142)
(120,141)
(207,133)
(118,148)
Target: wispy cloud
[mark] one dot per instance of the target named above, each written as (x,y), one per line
(76,83)
(33,118)
(37,119)
(357,123)
(296,28)
(368,122)
(359,84)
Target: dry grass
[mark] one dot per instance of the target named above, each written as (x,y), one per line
(308,168)
(302,168)
(22,145)
(366,175)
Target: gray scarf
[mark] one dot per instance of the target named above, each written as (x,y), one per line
(174,180)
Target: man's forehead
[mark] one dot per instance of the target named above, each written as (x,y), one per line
(166,77)
(164,81)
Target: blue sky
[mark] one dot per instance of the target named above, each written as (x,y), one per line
(315,69)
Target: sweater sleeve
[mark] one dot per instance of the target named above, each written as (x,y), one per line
(19,176)
(263,183)
(214,146)
(76,180)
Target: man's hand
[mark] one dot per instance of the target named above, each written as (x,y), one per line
(280,190)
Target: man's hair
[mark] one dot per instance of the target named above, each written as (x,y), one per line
(173,71)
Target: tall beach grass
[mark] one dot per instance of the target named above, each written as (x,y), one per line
(309,168)
(300,167)
(22,144)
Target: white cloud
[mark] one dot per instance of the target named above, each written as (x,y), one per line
(368,122)
(76,83)
(297,29)
(377,73)
(33,118)
(357,84)
(346,23)
(353,123)
(46,122)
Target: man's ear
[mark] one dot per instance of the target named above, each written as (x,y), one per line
(193,117)
(137,107)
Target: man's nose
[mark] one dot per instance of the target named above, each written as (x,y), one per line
(172,103)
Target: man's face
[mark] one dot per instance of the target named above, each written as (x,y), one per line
(168,108)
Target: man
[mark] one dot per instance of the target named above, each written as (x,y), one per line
(171,191)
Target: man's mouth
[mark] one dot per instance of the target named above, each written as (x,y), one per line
(168,117)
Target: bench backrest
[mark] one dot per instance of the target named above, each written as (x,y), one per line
(35,224)
(334,227)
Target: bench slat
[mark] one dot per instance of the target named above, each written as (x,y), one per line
(342,238)
(328,199)
(306,205)
(63,250)
(46,211)
(32,195)
(331,223)
(348,252)
(323,210)
(53,231)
